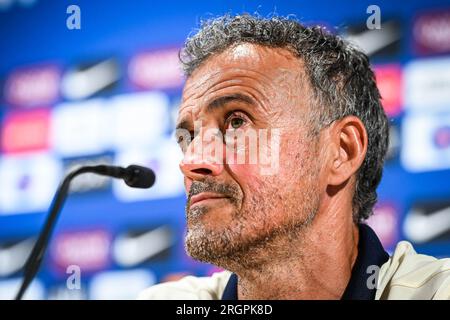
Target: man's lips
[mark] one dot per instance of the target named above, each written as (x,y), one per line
(205,196)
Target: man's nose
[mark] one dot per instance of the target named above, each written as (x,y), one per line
(201,161)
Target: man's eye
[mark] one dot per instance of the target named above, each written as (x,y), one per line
(184,138)
(235,122)
(180,139)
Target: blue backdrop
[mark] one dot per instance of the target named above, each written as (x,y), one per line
(108,92)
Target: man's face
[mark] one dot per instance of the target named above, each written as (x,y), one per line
(236,206)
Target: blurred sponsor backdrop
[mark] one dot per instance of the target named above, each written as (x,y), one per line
(108,93)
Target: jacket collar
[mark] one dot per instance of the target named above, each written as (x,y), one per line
(370,253)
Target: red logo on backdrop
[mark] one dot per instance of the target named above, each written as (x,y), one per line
(33,86)
(389,82)
(431,32)
(87,249)
(26,131)
(156,70)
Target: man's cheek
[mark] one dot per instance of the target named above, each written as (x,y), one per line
(255,158)
(245,173)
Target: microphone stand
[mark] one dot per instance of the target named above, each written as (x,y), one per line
(37,254)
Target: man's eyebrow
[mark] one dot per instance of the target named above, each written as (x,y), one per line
(223,100)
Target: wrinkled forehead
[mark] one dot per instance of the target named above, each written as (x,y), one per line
(264,71)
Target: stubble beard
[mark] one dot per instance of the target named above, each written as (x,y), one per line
(254,237)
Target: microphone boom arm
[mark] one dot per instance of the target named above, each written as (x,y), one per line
(36,256)
(130,175)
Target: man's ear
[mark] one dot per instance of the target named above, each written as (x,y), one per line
(349,146)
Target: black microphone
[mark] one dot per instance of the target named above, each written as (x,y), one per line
(134,176)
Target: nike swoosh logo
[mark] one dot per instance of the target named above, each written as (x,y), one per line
(419,227)
(80,84)
(13,258)
(132,250)
(372,41)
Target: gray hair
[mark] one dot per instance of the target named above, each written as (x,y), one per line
(340,75)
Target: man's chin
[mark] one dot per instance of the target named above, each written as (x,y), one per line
(202,247)
(209,241)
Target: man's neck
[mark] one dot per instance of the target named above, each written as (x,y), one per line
(317,264)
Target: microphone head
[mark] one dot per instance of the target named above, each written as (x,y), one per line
(139,177)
